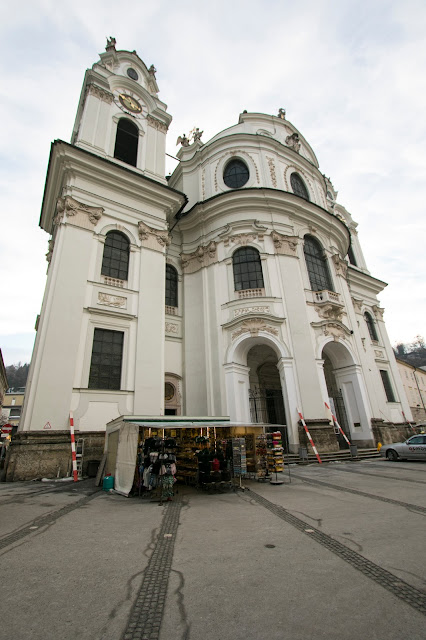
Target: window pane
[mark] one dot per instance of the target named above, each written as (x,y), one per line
(171,286)
(247,269)
(115,262)
(126,142)
(316,265)
(298,186)
(236,174)
(370,325)
(387,386)
(107,354)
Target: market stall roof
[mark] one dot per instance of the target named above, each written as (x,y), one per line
(174,421)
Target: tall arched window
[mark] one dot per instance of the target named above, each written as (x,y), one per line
(316,263)
(115,261)
(370,325)
(171,286)
(126,142)
(247,269)
(298,186)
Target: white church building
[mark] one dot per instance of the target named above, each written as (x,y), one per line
(235,287)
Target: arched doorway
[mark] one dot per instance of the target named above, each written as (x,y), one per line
(336,402)
(265,392)
(346,392)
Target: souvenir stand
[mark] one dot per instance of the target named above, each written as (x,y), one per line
(147,455)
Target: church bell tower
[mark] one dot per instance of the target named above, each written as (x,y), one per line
(99,349)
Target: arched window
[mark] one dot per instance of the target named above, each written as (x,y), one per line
(371,327)
(171,286)
(316,263)
(247,269)
(115,261)
(298,186)
(126,142)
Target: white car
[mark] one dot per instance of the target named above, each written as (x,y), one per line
(412,449)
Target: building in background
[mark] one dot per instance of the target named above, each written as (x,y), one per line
(236,287)
(3,381)
(414,383)
(12,405)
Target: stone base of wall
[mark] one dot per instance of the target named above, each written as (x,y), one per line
(37,454)
(389,432)
(322,434)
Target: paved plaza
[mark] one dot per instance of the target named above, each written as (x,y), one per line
(335,552)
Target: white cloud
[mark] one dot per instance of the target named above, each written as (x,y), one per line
(350,74)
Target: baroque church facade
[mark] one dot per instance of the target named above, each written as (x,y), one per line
(235,287)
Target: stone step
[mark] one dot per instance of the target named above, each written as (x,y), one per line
(333,456)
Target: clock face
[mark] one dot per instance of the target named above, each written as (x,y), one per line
(130,103)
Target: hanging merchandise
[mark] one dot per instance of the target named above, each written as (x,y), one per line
(262,459)
(239,459)
(275,456)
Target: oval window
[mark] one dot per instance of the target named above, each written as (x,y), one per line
(236,174)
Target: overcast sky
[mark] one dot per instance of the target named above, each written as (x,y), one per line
(351,76)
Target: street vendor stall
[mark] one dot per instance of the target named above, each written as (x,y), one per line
(141,450)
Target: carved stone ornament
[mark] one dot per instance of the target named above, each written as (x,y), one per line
(81,213)
(378,311)
(335,330)
(157,124)
(340,265)
(243,311)
(358,304)
(378,354)
(285,245)
(102,94)
(293,142)
(243,239)
(329,311)
(272,171)
(49,253)
(203,256)
(253,326)
(153,238)
(119,302)
(171,328)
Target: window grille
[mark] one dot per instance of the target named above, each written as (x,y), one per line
(107,355)
(298,186)
(247,268)
(236,174)
(171,286)
(316,263)
(115,262)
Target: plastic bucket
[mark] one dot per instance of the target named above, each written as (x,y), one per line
(108,483)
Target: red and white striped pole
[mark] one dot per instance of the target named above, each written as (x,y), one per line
(337,424)
(74,457)
(309,437)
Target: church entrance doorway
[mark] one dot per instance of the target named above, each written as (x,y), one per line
(336,401)
(265,392)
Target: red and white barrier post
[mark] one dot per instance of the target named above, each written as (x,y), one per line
(337,424)
(309,437)
(73,454)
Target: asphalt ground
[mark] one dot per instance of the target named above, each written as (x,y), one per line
(338,552)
